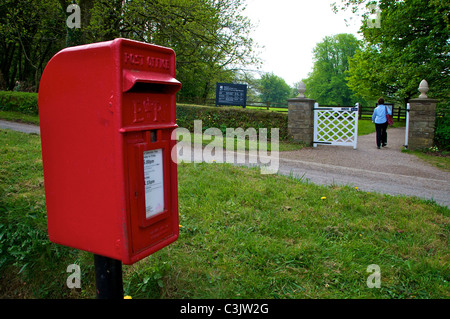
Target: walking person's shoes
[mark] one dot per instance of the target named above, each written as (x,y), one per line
(384,144)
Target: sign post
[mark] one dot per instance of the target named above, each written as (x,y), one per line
(108,277)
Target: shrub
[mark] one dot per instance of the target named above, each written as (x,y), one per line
(23,102)
(231,117)
(442,132)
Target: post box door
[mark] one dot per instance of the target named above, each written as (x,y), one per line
(151,213)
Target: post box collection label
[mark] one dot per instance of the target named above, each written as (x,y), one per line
(154,183)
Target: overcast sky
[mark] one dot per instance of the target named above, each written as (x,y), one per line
(290,29)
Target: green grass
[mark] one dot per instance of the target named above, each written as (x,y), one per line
(19,117)
(28,261)
(275,109)
(440,160)
(365,126)
(242,235)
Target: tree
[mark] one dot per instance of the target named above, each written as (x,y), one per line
(273,88)
(29,37)
(77,36)
(219,51)
(327,83)
(210,37)
(411,44)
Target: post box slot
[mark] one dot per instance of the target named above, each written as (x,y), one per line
(158,88)
(140,82)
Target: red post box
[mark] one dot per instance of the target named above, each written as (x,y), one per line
(107,112)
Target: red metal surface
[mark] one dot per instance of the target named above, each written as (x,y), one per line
(101,106)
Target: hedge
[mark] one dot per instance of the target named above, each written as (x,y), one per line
(218,117)
(442,133)
(232,117)
(23,102)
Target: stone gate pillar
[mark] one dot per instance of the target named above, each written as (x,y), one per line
(422,117)
(301,117)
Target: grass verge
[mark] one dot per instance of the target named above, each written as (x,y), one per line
(19,117)
(440,160)
(242,235)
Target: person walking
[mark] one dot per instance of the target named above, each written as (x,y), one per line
(381,123)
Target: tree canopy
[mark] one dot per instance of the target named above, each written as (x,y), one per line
(411,43)
(273,88)
(210,37)
(327,83)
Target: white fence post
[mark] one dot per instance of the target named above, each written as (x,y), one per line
(408,107)
(356,126)
(316,123)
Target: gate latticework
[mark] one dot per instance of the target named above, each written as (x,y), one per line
(336,125)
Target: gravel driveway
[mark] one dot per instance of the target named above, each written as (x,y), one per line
(387,170)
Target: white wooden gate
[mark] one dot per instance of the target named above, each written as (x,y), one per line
(336,125)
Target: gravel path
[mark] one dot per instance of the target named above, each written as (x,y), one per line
(21,127)
(387,170)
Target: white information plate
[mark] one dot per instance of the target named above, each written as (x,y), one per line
(154,184)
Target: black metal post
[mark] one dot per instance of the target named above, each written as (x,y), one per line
(108,278)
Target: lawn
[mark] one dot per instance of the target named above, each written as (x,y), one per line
(242,235)
(366,126)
